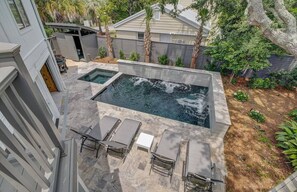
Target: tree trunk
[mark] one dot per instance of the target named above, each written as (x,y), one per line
(108,41)
(196,48)
(130,7)
(285,38)
(231,77)
(100,27)
(147,45)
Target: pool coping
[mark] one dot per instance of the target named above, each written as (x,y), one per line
(81,76)
(106,84)
(220,112)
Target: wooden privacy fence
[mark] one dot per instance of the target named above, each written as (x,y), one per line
(174,50)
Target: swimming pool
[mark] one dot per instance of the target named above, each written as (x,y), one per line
(99,76)
(181,102)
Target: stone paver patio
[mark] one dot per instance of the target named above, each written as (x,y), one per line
(110,173)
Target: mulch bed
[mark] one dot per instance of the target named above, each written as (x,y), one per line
(253,160)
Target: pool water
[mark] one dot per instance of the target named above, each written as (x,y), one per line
(186,103)
(99,76)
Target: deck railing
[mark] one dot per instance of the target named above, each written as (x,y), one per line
(32,155)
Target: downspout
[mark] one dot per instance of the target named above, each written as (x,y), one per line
(59,82)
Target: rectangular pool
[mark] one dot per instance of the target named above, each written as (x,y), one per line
(99,76)
(181,102)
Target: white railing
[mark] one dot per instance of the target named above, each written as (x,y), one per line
(33,158)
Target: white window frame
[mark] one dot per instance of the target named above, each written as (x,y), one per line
(23,23)
(156,14)
(139,34)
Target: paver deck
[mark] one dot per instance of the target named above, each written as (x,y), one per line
(109,173)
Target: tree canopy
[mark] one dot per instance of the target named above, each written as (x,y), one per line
(275,21)
(77,10)
(239,46)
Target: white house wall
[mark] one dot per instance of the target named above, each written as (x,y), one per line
(35,49)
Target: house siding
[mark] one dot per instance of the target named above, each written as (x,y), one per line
(34,48)
(133,35)
(166,24)
(185,39)
(185,3)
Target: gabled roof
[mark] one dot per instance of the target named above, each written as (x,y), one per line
(70,26)
(188,16)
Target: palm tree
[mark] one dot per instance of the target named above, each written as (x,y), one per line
(106,20)
(46,9)
(204,9)
(204,16)
(105,11)
(147,34)
(91,6)
(60,10)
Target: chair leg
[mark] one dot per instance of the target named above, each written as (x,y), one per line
(97,151)
(82,143)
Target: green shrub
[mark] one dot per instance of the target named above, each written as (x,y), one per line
(49,31)
(287,140)
(122,54)
(163,60)
(211,66)
(102,52)
(286,79)
(257,116)
(234,81)
(179,62)
(241,96)
(259,83)
(134,56)
(293,114)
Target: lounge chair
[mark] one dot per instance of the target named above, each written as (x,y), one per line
(165,154)
(121,142)
(198,168)
(99,133)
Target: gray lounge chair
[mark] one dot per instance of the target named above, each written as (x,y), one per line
(165,154)
(120,144)
(100,132)
(198,168)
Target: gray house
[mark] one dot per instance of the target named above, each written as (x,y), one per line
(21,24)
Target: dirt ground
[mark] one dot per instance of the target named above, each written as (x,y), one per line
(106,60)
(253,161)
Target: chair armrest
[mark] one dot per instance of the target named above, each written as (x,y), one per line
(184,176)
(217,175)
(87,129)
(155,148)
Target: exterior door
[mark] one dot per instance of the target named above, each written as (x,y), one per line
(48,79)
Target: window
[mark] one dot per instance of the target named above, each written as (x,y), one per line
(141,36)
(156,14)
(19,13)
